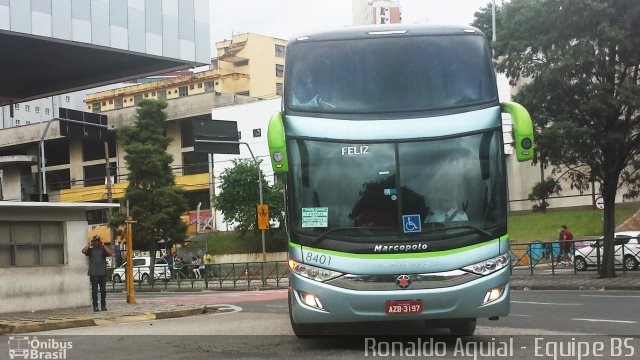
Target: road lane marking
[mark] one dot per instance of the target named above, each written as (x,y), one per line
(605,320)
(277,306)
(522,315)
(542,303)
(613,296)
(224,309)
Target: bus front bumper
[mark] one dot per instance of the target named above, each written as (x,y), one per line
(336,304)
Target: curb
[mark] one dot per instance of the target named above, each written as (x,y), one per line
(576,287)
(170,290)
(45,326)
(8,328)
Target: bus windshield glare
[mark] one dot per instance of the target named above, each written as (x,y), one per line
(454,184)
(389,74)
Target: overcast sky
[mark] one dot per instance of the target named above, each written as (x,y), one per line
(285,18)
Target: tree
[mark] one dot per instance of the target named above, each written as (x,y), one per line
(542,191)
(239,195)
(581,61)
(155,203)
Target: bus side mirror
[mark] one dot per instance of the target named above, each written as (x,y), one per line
(277,144)
(522,130)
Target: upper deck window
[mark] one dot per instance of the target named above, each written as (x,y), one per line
(389,74)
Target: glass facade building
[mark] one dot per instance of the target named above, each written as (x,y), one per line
(177,29)
(53,47)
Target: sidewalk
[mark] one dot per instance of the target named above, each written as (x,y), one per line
(14,323)
(43,320)
(580,281)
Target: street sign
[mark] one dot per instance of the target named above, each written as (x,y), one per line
(411,223)
(599,203)
(263,217)
(83,124)
(215,136)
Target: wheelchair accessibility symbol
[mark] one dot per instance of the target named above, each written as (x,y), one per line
(411,223)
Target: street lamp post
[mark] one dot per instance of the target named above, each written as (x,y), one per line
(493,20)
(42,180)
(264,252)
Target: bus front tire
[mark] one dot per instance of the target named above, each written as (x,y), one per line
(462,327)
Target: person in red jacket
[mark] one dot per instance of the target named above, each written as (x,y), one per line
(566,243)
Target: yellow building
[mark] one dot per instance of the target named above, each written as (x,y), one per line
(248,64)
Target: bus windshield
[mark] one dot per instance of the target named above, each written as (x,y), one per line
(389,74)
(445,186)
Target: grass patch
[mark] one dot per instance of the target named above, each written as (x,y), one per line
(581,222)
(234,243)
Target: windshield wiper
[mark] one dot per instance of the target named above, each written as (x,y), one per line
(326,233)
(472,227)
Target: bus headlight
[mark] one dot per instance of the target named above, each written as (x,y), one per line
(493,295)
(312,272)
(487,267)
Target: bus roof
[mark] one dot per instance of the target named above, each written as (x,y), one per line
(368,31)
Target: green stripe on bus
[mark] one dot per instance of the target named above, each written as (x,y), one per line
(402,255)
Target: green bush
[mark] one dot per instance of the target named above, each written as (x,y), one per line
(251,242)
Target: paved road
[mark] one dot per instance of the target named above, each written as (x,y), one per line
(532,312)
(255,325)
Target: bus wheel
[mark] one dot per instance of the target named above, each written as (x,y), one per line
(302,331)
(463,327)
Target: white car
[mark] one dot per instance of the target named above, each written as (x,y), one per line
(626,252)
(142,269)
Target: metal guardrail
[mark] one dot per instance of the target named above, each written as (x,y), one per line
(532,257)
(586,255)
(212,276)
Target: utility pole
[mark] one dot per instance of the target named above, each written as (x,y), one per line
(107,170)
(264,252)
(131,293)
(212,219)
(493,20)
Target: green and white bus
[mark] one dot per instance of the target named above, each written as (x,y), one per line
(396,187)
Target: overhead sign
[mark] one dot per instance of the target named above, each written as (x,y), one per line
(82,124)
(263,217)
(215,136)
(599,203)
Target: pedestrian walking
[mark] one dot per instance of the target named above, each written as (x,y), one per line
(566,242)
(97,254)
(207,260)
(169,260)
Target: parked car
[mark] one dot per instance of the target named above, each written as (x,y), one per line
(142,269)
(626,252)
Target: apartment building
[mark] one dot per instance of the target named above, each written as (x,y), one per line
(34,111)
(373,12)
(248,65)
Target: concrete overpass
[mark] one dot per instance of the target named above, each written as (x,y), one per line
(52,47)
